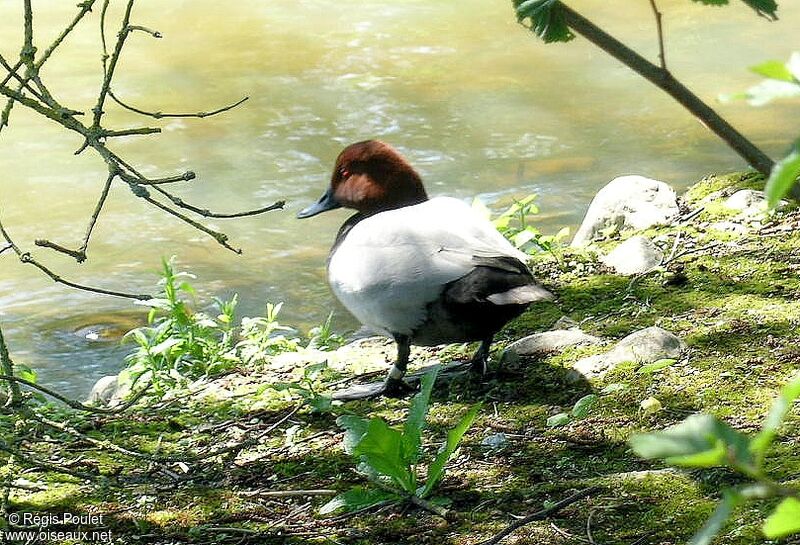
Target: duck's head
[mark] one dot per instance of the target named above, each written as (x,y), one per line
(370,177)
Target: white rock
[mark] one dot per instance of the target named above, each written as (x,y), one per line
(103,391)
(643,346)
(550,341)
(750,202)
(633,202)
(636,255)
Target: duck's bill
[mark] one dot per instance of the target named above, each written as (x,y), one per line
(325,203)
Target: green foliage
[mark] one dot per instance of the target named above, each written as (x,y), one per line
(580,410)
(703,441)
(515,224)
(388,457)
(322,337)
(310,385)
(264,336)
(180,344)
(765,8)
(545,18)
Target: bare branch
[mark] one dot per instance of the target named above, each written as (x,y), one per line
(77,404)
(659,26)
(112,63)
(160,115)
(177,201)
(151,32)
(26,257)
(7,366)
(80,253)
(129,132)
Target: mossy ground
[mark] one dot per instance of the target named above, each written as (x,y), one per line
(735,304)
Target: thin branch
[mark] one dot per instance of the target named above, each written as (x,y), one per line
(128,132)
(6,247)
(177,201)
(26,257)
(160,115)
(540,515)
(143,193)
(23,458)
(7,366)
(77,404)
(80,253)
(659,26)
(112,63)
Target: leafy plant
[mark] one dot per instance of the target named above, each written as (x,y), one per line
(515,224)
(704,441)
(322,337)
(180,344)
(782,81)
(580,410)
(309,386)
(388,457)
(264,336)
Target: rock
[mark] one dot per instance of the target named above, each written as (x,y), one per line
(495,441)
(643,346)
(729,227)
(547,342)
(104,391)
(565,322)
(750,202)
(633,202)
(636,255)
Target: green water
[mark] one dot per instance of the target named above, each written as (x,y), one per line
(474,101)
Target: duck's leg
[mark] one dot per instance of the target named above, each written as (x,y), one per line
(480,361)
(393,386)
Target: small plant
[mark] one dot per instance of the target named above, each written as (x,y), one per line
(309,386)
(180,345)
(515,224)
(703,441)
(579,411)
(388,457)
(264,336)
(322,337)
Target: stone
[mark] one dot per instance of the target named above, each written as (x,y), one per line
(104,391)
(637,255)
(495,441)
(644,346)
(547,342)
(627,202)
(565,322)
(750,202)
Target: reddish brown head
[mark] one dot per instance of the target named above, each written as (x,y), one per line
(370,177)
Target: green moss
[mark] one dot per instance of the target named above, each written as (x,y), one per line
(725,182)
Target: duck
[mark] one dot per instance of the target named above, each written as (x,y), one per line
(423,271)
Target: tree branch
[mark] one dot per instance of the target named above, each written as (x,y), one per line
(160,115)
(659,27)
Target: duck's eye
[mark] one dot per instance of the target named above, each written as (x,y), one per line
(344,173)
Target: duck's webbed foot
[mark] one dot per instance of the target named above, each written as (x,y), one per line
(388,388)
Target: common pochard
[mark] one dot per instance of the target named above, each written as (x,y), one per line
(423,271)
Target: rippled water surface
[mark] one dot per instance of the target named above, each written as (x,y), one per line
(477,104)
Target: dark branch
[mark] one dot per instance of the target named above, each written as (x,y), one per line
(160,115)
(660,28)
(177,201)
(539,515)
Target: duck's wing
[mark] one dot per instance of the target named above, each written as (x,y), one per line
(391,266)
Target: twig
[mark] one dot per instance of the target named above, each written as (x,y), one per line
(177,201)
(7,366)
(674,246)
(292,493)
(589,535)
(77,404)
(691,215)
(161,115)
(540,515)
(22,458)
(112,62)
(692,251)
(661,57)
(80,253)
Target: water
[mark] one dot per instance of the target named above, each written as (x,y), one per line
(479,105)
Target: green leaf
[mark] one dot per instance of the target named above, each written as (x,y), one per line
(24,372)
(699,441)
(784,520)
(783,176)
(354,429)
(381,448)
(412,431)
(765,8)
(773,70)
(546,19)
(655,366)
(583,406)
(454,436)
(777,413)
(716,521)
(358,498)
(560,419)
